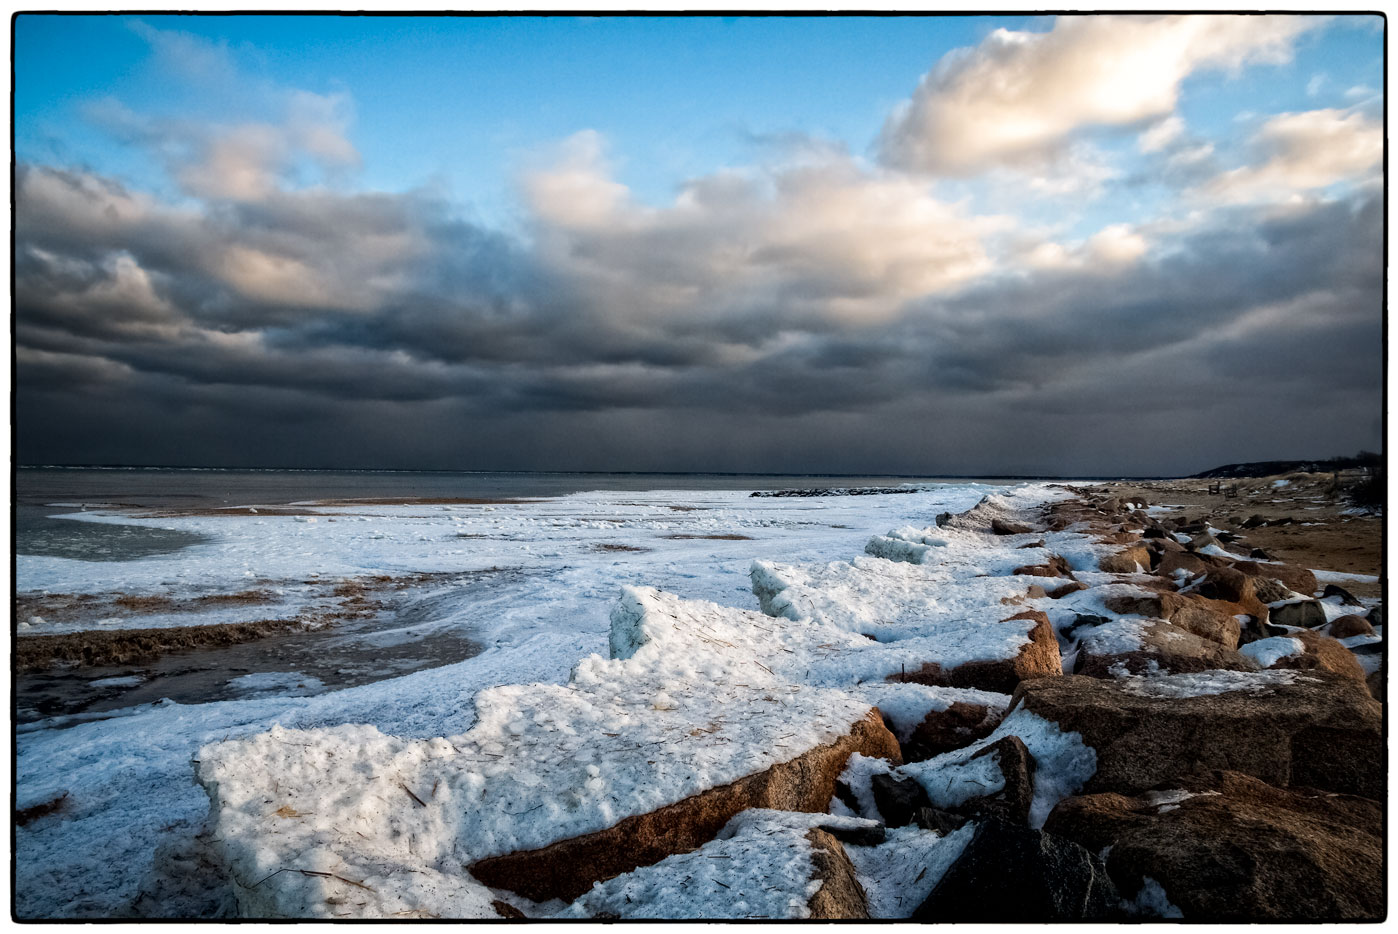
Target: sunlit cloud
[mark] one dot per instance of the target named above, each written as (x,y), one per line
(1018,96)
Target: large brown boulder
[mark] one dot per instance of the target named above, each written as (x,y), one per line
(1301,580)
(1347,626)
(1207,619)
(1193,565)
(1127,561)
(1107,651)
(1308,728)
(1229,585)
(1224,846)
(1270,591)
(1322,653)
(1038,658)
(569,868)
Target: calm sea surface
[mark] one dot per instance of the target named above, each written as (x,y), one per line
(149,487)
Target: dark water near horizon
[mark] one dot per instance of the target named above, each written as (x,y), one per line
(191,487)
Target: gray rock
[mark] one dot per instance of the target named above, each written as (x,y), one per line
(898,798)
(1303,614)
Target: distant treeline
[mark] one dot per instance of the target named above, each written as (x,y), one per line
(1366,460)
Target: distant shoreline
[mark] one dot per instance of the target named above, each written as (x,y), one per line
(621,473)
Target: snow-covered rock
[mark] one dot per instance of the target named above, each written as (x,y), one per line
(1309,728)
(1137,647)
(933,624)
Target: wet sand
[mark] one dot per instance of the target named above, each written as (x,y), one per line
(382,627)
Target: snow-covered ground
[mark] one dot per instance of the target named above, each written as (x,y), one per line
(130,776)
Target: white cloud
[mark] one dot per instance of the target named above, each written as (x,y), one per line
(1107,251)
(264,133)
(239,163)
(1161,134)
(824,236)
(1117,244)
(1018,96)
(252,161)
(577,190)
(1304,151)
(187,56)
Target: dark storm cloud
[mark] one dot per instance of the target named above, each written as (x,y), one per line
(384,330)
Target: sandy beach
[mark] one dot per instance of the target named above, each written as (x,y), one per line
(1308,520)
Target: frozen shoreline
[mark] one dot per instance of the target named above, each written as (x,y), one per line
(129,778)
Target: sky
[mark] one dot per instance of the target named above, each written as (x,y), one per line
(1082,245)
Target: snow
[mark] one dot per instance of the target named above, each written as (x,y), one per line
(953,778)
(1217,552)
(684,708)
(124,681)
(858,775)
(130,774)
(1170,799)
(554,542)
(1116,637)
(922,613)
(1217,681)
(1267,652)
(759,866)
(1151,901)
(916,545)
(1333,608)
(131,783)
(1335,577)
(948,600)
(900,873)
